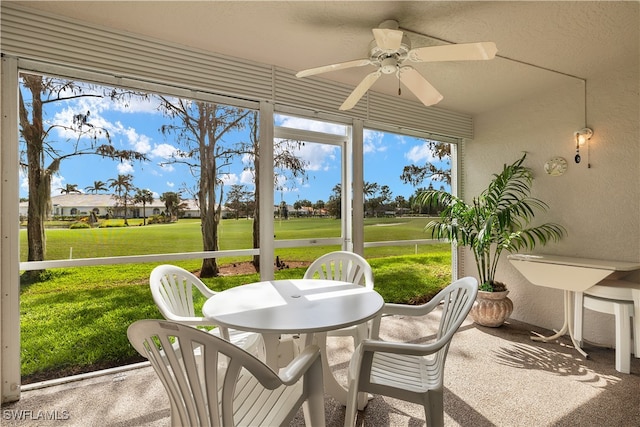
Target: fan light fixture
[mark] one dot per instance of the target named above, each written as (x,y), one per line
(582,137)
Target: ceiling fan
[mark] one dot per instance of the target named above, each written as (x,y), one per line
(391,50)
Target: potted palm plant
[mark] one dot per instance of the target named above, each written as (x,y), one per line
(497,220)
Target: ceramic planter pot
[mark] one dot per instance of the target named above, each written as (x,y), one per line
(491,308)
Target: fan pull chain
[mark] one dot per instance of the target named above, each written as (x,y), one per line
(399,88)
(577,158)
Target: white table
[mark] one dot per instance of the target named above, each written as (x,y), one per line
(571,275)
(296,306)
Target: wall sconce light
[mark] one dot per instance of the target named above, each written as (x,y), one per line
(582,137)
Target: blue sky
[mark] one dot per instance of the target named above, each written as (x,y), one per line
(136,127)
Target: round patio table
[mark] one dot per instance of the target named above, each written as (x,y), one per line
(296,306)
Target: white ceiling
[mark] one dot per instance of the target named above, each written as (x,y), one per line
(581,39)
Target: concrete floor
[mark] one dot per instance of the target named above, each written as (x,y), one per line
(494,377)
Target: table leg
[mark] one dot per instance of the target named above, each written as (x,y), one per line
(271,342)
(566,327)
(331,386)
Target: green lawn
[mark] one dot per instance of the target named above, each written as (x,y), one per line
(76,319)
(184,236)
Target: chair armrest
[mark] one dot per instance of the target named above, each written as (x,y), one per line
(401,310)
(188,320)
(371,346)
(291,373)
(411,310)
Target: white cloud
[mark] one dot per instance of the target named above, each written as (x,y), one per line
(164,151)
(247,159)
(314,125)
(140,143)
(419,153)
(246,177)
(64,118)
(229,178)
(131,104)
(170,184)
(125,167)
(96,107)
(136,105)
(318,157)
(57,182)
(373,141)
(24,181)
(401,139)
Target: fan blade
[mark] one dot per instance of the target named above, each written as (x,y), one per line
(387,39)
(333,67)
(420,87)
(454,52)
(360,90)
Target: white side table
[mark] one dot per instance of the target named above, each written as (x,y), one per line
(571,275)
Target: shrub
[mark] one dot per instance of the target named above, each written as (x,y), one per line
(155,219)
(79,224)
(108,224)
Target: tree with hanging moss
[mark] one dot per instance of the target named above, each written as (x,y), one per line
(200,128)
(42,153)
(416,174)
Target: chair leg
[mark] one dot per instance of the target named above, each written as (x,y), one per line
(578,317)
(636,334)
(623,337)
(352,404)
(434,408)
(636,322)
(313,414)
(361,333)
(313,407)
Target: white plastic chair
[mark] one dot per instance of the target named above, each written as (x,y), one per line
(407,371)
(231,387)
(172,288)
(347,267)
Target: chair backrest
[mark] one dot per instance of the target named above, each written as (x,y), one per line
(457,299)
(341,265)
(201,394)
(172,289)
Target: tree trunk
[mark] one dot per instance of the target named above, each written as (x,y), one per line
(39,181)
(256,236)
(208,217)
(256,214)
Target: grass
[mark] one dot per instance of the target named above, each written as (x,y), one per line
(76,320)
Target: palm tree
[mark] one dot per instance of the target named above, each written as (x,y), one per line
(497,220)
(172,204)
(143,196)
(97,186)
(70,188)
(369,189)
(122,185)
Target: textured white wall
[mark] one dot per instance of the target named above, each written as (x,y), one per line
(599,206)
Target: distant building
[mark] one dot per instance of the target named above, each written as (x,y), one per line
(67,205)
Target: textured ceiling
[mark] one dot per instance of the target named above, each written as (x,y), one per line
(580,39)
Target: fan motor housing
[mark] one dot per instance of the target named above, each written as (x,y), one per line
(379,55)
